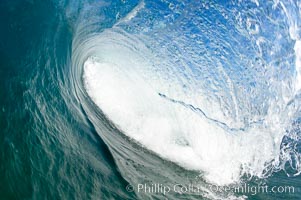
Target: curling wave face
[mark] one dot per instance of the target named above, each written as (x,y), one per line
(210,86)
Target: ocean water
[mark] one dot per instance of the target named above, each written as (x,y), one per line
(141,99)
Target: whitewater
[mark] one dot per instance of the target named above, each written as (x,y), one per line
(207,93)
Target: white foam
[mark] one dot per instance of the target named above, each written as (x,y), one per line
(120,84)
(134,12)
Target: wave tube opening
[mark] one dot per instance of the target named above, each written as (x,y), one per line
(158,99)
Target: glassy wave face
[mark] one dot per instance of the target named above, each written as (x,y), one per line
(210,86)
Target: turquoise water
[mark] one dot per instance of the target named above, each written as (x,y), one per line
(101,97)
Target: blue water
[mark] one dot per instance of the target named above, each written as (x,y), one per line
(100,96)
